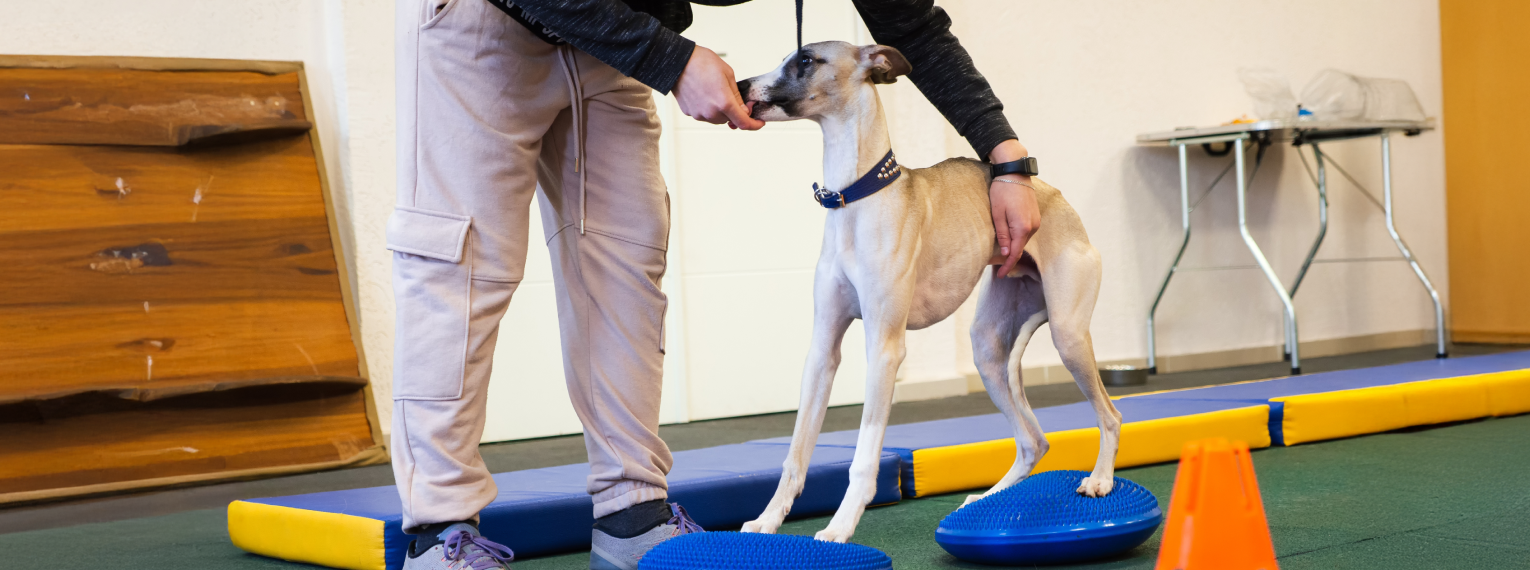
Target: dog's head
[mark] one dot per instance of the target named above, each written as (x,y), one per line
(820,79)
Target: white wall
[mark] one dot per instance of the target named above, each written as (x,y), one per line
(1080,78)
(1097,72)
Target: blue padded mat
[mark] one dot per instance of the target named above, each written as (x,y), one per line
(543,511)
(973,429)
(905,438)
(1260,392)
(988,427)
(744,551)
(1263,390)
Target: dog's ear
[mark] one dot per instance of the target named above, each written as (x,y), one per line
(884,64)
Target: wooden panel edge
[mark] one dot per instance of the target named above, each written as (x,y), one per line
(366,457)
(268,67)
(142,394)
(242,133)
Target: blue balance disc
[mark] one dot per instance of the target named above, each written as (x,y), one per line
(1043,520)
(748,551)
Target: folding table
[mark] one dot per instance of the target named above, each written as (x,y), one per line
(1297,132)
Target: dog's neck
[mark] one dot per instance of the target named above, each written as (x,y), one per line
(853,141)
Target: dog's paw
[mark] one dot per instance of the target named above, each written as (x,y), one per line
(972,499)
(1093,486)
(760,526)
(832,534)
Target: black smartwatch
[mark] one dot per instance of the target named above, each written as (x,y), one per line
(1026,166)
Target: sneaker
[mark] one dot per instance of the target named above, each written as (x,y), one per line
(461,548)
(611,553)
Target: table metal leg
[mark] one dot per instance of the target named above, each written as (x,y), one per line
(1184,216)
(1264,265)
(1322,184)
(1386,185)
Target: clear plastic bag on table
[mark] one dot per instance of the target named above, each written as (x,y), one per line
(1390,100)
(1270,91)
(1334,94)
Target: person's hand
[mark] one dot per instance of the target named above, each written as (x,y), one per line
(707,92)
(1016,217)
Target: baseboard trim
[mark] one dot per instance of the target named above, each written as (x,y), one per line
(931,389)
(1057,374)
(1490,337)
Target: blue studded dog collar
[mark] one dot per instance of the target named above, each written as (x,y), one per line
(883,174)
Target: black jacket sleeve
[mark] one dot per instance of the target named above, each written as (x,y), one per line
(942,69)
(634,43)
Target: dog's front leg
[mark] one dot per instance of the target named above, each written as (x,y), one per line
(831,318)
(884,354)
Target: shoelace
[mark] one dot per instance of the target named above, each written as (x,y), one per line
(683,520)
(480,553)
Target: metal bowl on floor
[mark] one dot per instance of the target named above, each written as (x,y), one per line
(1123,375)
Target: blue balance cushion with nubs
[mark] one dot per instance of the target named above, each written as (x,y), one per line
(1043,520)
(749,551)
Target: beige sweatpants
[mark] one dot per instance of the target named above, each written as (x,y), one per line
(487,114)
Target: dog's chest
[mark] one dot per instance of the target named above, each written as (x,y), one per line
(884,259)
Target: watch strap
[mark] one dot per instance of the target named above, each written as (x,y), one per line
(1026,166)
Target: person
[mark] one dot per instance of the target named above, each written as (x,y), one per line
(497,99)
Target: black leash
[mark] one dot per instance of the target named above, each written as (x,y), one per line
(800,67)
(799,25)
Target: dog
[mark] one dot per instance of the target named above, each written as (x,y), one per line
(908,256)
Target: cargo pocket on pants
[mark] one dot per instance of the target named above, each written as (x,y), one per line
(432,289)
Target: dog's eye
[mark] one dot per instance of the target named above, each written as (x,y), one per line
(805,61)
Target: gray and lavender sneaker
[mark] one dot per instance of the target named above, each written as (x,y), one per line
(617,552)
(460,548)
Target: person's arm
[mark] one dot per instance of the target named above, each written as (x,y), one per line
(637,45)
(944,73)
(943,70)
(634,43)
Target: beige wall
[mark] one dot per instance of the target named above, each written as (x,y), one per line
(1080,77)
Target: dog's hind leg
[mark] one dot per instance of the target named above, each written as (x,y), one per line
(1009,312)
(1071,278)
(831,319)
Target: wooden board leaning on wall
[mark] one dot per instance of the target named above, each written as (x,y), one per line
(175,310)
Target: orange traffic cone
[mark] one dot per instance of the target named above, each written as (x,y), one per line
(1216,519)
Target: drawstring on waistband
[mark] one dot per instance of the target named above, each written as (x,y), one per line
(566,57)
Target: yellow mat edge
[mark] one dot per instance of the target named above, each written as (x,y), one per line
(301,535)
(1322,416)
(978,465)
(1508,392)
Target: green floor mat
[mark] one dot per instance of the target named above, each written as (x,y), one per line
(1441,498)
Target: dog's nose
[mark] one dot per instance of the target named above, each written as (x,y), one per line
(743,90)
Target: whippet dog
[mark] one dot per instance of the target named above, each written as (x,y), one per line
(905,258)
